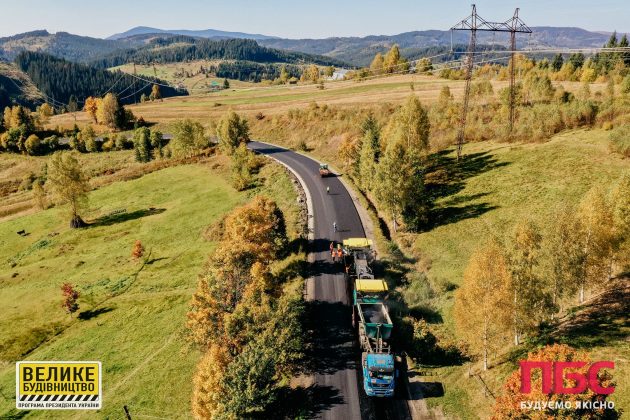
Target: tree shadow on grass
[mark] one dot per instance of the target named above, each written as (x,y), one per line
(93,313)
(113,219)
(445,177)
(601,321)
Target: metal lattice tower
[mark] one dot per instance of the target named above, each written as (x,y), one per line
(474,23)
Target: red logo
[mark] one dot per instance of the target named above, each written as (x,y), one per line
(553,376)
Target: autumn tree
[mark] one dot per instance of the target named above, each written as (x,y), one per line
(349,152)
(109,110)
(70,298)
(91,107)
(232,130)
(483,304)
(188,138)
(259,226)
(531,300)
(377,65)
(155,93)
(68,184)
(565,254)
(208,383)
(138,250)
(621,219)
(596,220)
(508,405)
(392,60)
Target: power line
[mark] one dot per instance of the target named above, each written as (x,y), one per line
(474,23)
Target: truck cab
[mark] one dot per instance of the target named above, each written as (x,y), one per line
(379,374)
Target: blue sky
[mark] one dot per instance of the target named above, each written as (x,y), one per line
(299,19)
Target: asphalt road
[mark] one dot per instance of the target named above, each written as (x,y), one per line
(334,366)
(335,358)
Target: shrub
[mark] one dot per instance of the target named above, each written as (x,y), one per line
(138,250)
(620,140)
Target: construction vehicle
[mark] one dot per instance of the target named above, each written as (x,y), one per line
(371,317)
(323,170)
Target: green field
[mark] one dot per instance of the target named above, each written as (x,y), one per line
(132,315)
(503,184)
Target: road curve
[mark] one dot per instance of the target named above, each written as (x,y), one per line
(335,365)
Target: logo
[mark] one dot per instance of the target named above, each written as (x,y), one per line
(58,385)
(554,375)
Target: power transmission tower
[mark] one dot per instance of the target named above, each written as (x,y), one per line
(474,23)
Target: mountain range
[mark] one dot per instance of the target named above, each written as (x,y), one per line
(356,51)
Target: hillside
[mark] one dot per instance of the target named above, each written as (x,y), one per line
(185,48)
(62,44)
(204,33)
(360,51)
(60,79)
(16,88)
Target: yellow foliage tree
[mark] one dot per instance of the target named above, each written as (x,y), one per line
(376,67)
(208,382)
(91,107)
(107,111)
(483,303)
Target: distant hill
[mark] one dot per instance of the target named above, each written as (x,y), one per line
(204,33)
(62,45)
(185,48)
(16,88)
(360,51)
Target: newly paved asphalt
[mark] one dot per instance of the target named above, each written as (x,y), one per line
(335,361)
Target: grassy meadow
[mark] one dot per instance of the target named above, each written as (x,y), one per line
(131,315)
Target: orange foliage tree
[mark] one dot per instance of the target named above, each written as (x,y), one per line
(508,405)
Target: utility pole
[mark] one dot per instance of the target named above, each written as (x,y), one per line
(474,23)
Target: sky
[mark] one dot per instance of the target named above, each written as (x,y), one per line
(299,19)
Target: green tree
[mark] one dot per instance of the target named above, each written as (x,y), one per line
(226,84)
(250,385)
(232,130)
(68,184)
(188,138)
(410,126)
(157,144)
(88,138)
(241,172)
(142,144)
(557,62)
(370,152)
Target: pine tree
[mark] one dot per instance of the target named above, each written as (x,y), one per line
(142,144)
(377,65)
(557,62)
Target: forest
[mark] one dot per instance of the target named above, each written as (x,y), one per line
(205,49)
(61,80)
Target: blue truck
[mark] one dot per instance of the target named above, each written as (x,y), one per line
(371,317)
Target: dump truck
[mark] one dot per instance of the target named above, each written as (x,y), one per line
(375,327)
(371,318)
(323,170)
